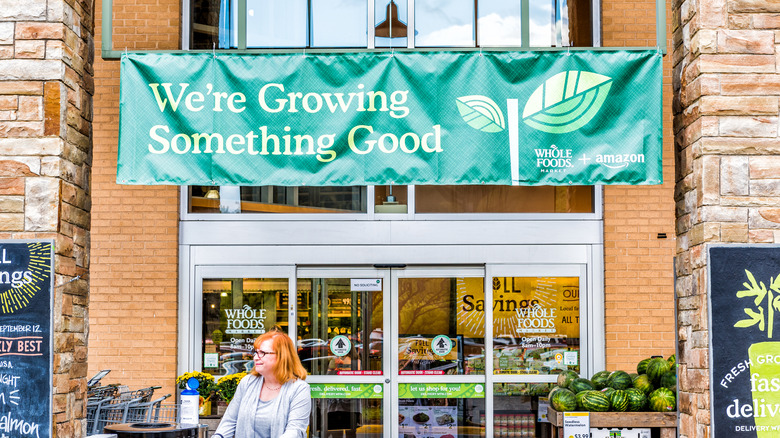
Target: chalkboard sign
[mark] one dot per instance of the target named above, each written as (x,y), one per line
(744,292)
(25,339)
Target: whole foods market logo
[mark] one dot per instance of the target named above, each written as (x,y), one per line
(245,320)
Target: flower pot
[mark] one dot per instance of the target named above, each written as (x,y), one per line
(205,407)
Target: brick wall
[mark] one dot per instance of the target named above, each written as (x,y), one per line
(134,293)
(728,179)
(46,86)
(639,275)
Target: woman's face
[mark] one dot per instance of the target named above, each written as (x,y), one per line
(265,364)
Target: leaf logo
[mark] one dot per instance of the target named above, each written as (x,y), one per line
(566,101)
(481,113)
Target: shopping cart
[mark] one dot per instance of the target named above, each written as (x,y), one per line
(150,411)
(114,412)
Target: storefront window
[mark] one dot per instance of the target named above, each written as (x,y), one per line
(277,199)
(339,328)
(450,23)
(235,312)
(516,409)
(444,24)
(504,199)
(437,335)
(339,23)
(439,410)
(536,325)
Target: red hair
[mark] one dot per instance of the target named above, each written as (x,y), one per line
(288,364)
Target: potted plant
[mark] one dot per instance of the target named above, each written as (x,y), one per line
(227,385)
(206,388)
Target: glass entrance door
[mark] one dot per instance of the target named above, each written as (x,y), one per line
(422,352)
(439,359)
(342,318)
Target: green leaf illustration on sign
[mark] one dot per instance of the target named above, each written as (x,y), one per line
(481,113)
(758,291)
(566,101)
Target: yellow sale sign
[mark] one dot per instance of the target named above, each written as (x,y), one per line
(522,307)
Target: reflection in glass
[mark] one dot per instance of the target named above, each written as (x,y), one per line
(504,199)
(499,23)
(442,23)
(278,199)
(457,417)
(390,19)
(339,417)
(327,308)
(515,407)
(274,23)
(438,334)
(339,23)
(235,312)
(536,325)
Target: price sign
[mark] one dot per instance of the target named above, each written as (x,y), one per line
(576,424)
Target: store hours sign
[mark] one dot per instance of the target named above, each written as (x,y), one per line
(744,297)
(25,339)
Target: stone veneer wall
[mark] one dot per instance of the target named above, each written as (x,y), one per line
(46,87)
(727,88)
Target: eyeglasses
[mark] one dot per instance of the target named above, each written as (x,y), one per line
(261,354)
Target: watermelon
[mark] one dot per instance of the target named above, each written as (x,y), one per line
(565,378)
(599,380)
(563,400)
(619,380)
(641,367)
(633,376)
(579,396)
(579,385)
(663,400)
(643,383)
(636,399)
(656,368)
(608,391)
(618,400)
(595,401)
(672,361)
(669,380)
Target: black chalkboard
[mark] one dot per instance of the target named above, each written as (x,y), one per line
(744,291)
(25,339)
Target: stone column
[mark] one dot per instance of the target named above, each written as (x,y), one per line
(726,86)
(46,87)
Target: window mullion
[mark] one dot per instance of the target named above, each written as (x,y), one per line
(525,30)
(241,25)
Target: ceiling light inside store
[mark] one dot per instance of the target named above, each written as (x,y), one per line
(224,294)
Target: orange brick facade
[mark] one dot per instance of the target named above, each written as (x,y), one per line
(638,265)
(133,308)
(134,295)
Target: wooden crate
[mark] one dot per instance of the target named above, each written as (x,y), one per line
(665,421)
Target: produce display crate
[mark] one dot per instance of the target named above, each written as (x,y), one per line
(666,422)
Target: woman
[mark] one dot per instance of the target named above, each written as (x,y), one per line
(273,401)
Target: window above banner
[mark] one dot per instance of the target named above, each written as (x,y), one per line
(361,24)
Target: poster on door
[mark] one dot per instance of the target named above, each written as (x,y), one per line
(744,295)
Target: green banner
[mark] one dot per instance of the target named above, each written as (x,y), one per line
(346,390)
(441,390)
(522,118)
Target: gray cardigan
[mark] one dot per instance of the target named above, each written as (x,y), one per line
(291,421)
